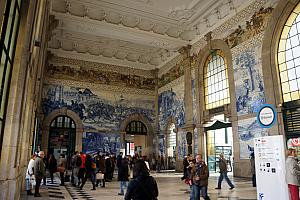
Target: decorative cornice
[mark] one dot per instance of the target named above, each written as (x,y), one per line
(100,77)
(172,84)
(169,65)
(238,18)
(98,87)
(254,26)
(224,30)
(254,41)
(230,24)
(60,61)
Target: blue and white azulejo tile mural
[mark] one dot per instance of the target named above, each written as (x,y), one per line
(101,142)
(182,145)
(248,129)
(171,105)
(99,111)
(249,86)
(194,101)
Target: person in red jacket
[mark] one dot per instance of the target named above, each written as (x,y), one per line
(82,170)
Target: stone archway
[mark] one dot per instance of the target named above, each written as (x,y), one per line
(178,163)
(146,122)
(270,47)
(229,109)
(62,112)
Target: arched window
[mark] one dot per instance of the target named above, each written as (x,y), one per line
(216,85)
(136,128)
(289,57)
(171,141)
(63,122)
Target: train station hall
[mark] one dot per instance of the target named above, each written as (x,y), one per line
(150,99)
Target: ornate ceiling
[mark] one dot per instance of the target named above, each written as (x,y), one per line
(142,34)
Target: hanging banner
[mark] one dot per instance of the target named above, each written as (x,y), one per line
(270,168)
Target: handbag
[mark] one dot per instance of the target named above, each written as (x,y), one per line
(61,169)
(99,176)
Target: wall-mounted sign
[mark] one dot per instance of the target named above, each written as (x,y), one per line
(266,116)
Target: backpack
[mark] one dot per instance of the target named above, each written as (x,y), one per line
(78,161)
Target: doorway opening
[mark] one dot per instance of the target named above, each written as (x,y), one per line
(136,139)
(171,147)
(62,137)
(218,140)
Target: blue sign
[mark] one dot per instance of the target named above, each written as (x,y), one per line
(266,116)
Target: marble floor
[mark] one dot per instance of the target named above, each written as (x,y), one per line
(170,187)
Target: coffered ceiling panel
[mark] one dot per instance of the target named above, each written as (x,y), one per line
(141,34)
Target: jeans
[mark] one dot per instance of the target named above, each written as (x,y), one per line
(196,190)
(123,184)
(75,175)
(88,175)
(224,175)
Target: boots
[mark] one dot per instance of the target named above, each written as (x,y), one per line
(29,192)
(94,187)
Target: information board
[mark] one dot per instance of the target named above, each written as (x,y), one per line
(270,168)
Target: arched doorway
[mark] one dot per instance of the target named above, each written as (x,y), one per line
(136,133)
(219,139)
(50,118)
(62,137)
(171,146)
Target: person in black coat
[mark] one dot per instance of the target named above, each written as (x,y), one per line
(143,186)
(123,175)
(52,166)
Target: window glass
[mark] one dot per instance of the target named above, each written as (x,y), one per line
(10,23)
(215,80)
(5,91)
(288,57)
(14,35)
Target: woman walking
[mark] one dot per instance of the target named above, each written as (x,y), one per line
(123,175)
(143,186)
(52,166)
(62,166)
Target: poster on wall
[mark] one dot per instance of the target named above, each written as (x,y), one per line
(247,130)
(101,142)
(270,168)
(249,86)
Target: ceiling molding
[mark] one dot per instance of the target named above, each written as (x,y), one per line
(99,59)
(143,34)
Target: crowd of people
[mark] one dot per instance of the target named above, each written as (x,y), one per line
(196,174)
(98,168)
(134,173)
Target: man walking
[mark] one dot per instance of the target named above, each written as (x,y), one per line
(39,172)
(223,173)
